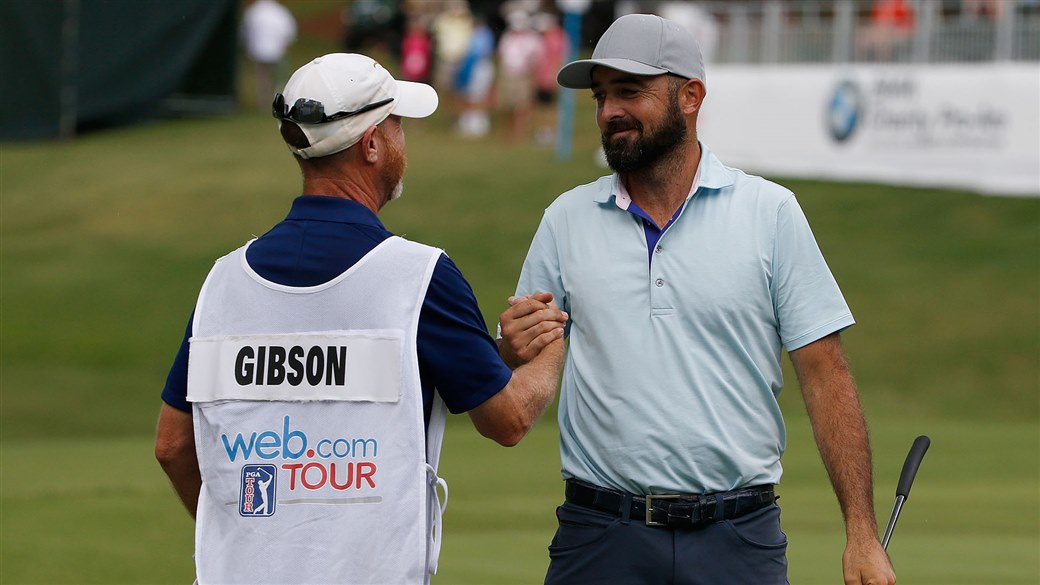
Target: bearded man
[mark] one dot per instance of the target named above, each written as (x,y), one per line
(684,279)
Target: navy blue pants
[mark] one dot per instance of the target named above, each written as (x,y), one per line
(594,548)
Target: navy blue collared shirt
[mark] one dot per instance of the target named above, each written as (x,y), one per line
(324,236)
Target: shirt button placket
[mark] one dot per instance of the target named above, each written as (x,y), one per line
(658,282)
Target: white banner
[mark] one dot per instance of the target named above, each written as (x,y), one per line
(964,126)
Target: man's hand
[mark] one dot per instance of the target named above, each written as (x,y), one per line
(866,563)
(529,324)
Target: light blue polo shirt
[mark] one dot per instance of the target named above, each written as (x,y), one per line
(673,368)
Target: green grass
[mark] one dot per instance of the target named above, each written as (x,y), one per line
(105,240)
(943,537)
(98,510)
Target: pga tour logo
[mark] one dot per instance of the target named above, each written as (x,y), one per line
(257,495)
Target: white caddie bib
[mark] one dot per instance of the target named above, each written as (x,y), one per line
(308,414)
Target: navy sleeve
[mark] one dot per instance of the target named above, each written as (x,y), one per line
(456,353)
(175,393)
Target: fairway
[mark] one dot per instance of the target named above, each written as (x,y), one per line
(104,509)
(106,239)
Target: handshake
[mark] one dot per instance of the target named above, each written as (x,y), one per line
(529,325)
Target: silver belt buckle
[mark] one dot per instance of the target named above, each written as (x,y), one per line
(650,507)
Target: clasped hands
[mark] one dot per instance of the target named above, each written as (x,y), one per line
(528,326)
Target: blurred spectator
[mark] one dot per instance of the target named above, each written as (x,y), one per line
(416,49)
(890,29)
(475,80)
(989,9)
(268,28)
(555,48)
(451,32)
(519,50)
(373,26)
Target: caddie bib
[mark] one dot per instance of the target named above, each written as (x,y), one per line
(308,415)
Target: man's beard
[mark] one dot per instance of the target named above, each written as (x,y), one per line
(625,155)
(393,172)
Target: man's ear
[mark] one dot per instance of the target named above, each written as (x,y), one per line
(368,144)
(691,96)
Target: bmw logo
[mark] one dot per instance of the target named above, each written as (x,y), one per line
(844,111)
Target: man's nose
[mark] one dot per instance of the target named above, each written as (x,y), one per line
(610,109)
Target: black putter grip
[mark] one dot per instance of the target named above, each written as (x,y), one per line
(913,461)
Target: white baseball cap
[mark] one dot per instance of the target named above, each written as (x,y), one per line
(335,98)
(641,44)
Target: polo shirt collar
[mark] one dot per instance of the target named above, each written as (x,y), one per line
(711,174)
(333,209)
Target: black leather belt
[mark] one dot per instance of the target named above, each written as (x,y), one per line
(673,511)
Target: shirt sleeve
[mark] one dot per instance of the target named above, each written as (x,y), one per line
(809,305)
(541,271)
(456,353)
(175,393)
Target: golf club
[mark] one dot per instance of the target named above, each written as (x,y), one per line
(906,479)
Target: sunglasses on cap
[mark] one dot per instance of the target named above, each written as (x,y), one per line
(306,111)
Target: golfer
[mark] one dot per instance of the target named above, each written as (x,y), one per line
(684,279)
(321,357)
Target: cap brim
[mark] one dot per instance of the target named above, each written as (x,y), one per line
(578,75)
(414,100)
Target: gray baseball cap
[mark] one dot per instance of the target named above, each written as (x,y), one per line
(641,44)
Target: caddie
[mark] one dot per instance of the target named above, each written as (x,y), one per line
(303,416)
